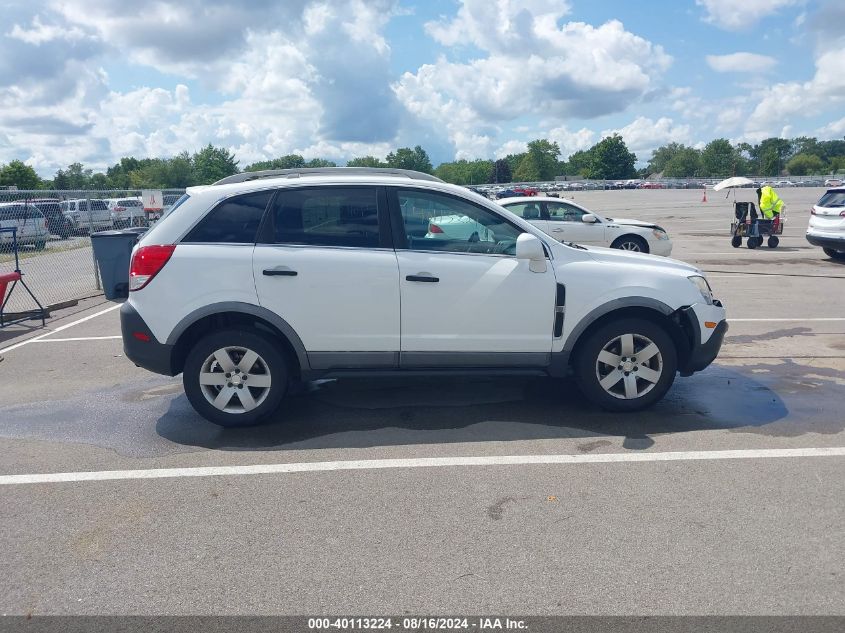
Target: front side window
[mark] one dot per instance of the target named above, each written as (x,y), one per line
(525,210)
(434,221)
(233,221)
(562,212)
(331,216)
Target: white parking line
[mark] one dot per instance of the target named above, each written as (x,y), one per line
(78,338)
(59,329)
(423,462)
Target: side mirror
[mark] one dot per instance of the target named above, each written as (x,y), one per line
(531,248)
(589,218)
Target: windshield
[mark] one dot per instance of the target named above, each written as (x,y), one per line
(832,199)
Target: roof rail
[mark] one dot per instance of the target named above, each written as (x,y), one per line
(326,171)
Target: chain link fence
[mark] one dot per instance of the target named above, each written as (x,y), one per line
(54,239)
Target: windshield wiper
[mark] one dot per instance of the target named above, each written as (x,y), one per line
(574,245)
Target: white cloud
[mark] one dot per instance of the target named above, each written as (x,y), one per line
(643,135)
(530,67)
(323,91)
(741,63)
(571,142)
(779,103)
(501,26)
(40,32)
(511,147)
(834,129)
(733,15)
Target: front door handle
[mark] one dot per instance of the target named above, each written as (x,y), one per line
(557,230)
(279,271)
(423,277)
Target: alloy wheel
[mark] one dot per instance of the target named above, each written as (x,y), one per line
(235,379)
(630,246)
(629,366)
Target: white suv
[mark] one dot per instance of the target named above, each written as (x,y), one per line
(827,223)
(268,278)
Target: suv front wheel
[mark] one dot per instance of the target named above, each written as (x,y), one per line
(626,365)
(235,378)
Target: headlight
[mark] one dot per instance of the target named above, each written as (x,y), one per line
(660,233)
(703,287)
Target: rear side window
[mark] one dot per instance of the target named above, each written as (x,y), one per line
(526,210)
(335,216)
(99,205)
(233,221)
(833,199)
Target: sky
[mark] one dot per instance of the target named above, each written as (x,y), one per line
(93,80)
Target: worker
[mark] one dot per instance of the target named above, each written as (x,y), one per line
(769,202)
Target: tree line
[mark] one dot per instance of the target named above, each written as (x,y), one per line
(609,159)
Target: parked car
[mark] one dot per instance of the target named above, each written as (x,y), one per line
(833,182)
(242,324)
(29,222)
(651,185)
(567,221)
(57,223)
(85,221)
(827,224)
(126,212)
(517,191)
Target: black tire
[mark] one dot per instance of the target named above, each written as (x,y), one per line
(752,242)
(773,242)
(628,242)
(40,246)
(736,241)
(834,254)
(587,368)
(272,361)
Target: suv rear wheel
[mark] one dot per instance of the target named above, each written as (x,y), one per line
(626,365)
(235,378)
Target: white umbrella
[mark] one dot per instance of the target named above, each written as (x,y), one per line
(736,181)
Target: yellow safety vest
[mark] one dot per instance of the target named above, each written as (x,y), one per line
(770,203)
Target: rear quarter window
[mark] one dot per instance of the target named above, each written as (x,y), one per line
(233,221)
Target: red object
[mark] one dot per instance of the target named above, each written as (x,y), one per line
(526,191)
(776,223)
(433,228)
(141,336)
(704,199)
(5,280)
(147,262)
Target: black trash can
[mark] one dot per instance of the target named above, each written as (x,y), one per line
(113,250)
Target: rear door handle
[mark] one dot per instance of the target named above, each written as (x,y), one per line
(279,271)
(557,230)
(423,277)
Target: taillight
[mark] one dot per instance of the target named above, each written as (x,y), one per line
(433,228)
(147,261)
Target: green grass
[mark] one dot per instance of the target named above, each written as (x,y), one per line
(29,252)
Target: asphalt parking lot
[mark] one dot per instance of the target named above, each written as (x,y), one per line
(486,526)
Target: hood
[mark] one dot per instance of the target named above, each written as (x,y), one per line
(616,256)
